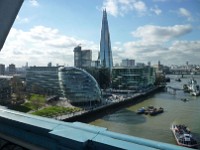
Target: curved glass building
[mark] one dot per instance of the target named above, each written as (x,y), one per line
(78,86)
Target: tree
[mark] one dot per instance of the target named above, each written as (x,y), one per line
(37,101)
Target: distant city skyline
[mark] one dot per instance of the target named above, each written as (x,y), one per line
(142,30)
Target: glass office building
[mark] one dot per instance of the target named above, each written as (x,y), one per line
(78,86)
(43,80)
(132,78)
(82,58)
(106,59)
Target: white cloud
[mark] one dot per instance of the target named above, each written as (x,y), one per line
(40,45)
(159,43)
(111,7)
(186,47)
(150,33)
(139,6)
(177,53)
(34,3)
(121,7)
(22,20)
(156,10)
(185,13)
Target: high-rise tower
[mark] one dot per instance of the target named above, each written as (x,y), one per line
(106,59)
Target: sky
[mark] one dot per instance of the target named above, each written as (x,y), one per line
(145,30)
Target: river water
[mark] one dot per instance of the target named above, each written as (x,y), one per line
(157,128)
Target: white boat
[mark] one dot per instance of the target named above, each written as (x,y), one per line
(183,136)
(195,93)
(193,87)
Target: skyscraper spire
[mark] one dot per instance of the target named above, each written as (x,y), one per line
(106,59)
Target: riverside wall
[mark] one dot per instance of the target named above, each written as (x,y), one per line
(110,108)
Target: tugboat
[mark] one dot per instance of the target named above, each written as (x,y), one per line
(183,136)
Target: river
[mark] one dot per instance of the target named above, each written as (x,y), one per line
(157,128)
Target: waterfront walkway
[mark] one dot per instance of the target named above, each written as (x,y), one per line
(107,102)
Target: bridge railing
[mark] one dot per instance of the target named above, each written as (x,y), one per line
(34,132)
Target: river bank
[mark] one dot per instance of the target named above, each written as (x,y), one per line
(109,107)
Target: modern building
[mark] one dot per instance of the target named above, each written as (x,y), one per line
(128,63)
(78,86)
(5,89)
(2,69)
(72,83)
(82,58)
(11,69)
(49,64)
(96,63)
(43,80)
(106,60)
(140,64)
(132,78)
(159,67)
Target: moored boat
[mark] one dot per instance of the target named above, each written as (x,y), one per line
(185,88)
(156,111)
(183,136)
(141,111)
(149,109)
(192,87)
(195,92)
(178,79)
(184,99)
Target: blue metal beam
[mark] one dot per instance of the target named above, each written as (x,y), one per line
(8,12)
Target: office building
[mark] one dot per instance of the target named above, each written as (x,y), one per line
(5,89)
(128,63)
(2,69)
(106,60)
(133,78)
(11,69)
(82,58)
(43,80)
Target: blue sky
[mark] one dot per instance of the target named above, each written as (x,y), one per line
(144,30)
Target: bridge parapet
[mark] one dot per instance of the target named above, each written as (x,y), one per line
(34,132)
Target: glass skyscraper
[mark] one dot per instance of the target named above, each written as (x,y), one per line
(106,59)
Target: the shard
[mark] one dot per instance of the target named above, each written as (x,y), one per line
(106,60)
